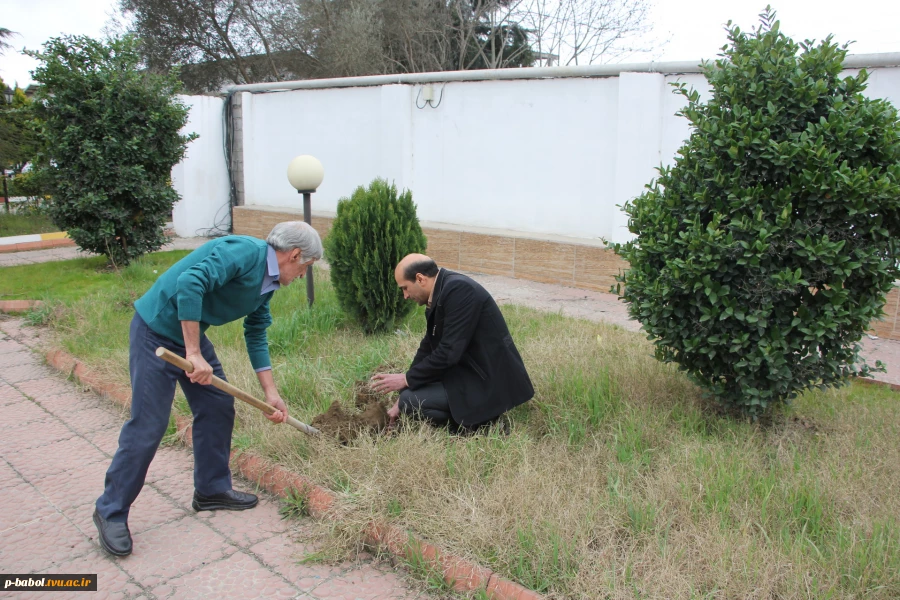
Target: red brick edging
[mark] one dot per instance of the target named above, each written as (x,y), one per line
(41,245)
(462,574)
(15,306)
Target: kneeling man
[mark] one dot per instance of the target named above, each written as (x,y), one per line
(467,371)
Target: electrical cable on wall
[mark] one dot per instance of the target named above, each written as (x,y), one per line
(429,101)
(220,224)
(228,142)
(224,224)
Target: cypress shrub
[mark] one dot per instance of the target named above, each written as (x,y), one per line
(372,231)
(764,253)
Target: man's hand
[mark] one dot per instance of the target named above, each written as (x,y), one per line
(202,372)
(281,414)
(389,382)
(393,413)
(273,398)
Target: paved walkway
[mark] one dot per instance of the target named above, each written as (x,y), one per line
(55,447)
(597,306)
(39,256)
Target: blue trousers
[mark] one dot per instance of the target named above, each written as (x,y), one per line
(152,392)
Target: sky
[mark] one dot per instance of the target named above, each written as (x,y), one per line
(694,29)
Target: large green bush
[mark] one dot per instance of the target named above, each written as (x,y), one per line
(372,231)
(30,184)
(763,254)
(110,137)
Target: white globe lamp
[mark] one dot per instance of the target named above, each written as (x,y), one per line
(305,173)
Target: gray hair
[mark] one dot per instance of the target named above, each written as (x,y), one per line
(286,236)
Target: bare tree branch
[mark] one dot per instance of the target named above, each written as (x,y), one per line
(246,41)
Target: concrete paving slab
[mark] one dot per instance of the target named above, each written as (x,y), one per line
(20,436)
(20,504)
(247,527)
(112,582)
(47,388)
(237,576)
(174,549)
(106,440)
(39,544)
(21,414)
(55,458)
(286,551)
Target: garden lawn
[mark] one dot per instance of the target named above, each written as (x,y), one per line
(615,481)
(16,224)
(84,278)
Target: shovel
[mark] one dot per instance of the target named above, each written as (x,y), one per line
(174,359)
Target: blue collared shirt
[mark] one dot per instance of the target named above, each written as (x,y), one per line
(270,279)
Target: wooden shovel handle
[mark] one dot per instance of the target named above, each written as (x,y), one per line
(173,359)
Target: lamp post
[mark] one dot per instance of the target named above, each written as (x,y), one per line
(306,173)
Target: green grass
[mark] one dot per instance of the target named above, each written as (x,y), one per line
(295,505)
(423,570)
(84,278)
(538,566)
(617,479)
(15,224)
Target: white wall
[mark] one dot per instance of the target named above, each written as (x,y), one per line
(343,128)
(547,156)
(201,179)
(523,155)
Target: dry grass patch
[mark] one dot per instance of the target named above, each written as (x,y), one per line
(616,481)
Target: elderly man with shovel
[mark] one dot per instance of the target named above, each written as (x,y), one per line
(224,280)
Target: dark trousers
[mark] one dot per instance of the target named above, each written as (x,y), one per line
(152,391)
(428,402)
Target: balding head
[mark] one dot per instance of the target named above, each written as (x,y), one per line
(416,263)
(415,275)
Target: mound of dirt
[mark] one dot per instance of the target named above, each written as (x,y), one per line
(347,426)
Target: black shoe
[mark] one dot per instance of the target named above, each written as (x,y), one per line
(230,500)
(114,537)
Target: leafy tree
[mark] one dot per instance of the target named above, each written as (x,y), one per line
(763,254)
(371,232)
(110,137)
(5,34)
(18,143)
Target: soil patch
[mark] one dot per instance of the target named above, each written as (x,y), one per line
(370,416)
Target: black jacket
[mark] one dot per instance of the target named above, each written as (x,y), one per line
(468,348)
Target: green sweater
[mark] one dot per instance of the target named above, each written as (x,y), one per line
(217,283)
